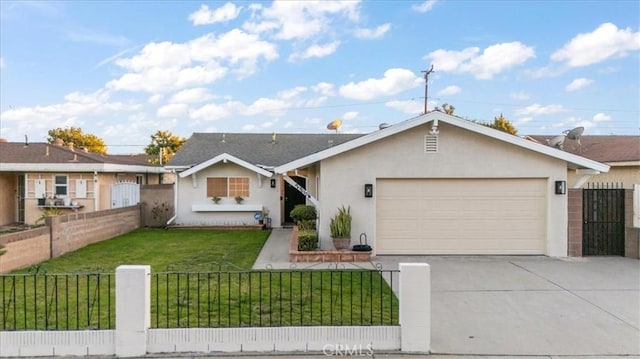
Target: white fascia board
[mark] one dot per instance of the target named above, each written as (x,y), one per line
(78,167)
(455,121)
(222,158)
(624,163)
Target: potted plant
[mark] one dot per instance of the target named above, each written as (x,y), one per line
(239,199)
(216,199)
(340,228)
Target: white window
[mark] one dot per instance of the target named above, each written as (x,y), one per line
(61,185)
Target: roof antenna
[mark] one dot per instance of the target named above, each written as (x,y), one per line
(26,140)
(426,86)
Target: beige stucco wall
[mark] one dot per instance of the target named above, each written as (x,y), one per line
(195,193)
(462,154)
(625,176)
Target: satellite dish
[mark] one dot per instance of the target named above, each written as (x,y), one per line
(383,125)
(575,133)
(557,141)
(334,125)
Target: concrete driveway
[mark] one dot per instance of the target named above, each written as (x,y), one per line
(521,305)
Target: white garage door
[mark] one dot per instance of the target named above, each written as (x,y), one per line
(461,216)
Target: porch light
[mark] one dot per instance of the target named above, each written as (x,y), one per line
(368,190)
(561,187)
(273,183)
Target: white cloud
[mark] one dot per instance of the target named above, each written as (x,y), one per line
(578,84)
(177,110)
(291,93)
(76,106)
(449,90)
(601,117)
(408,107)
(266,106)
(493,60)
(520,96)
(2,63)
(603,43)
(537,110)
(155,99)
(83,35)
(394,81)
(378,32)
(425,6)
(206,16)
(166,66)
(192,95)
(351,115)
(209,112)
(249,127)
(324,88)
(291,20)
(316,51)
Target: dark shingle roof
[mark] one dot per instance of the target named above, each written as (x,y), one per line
(257,149)
(45,153)
(601,148)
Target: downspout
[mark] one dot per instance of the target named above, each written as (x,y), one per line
(175,199)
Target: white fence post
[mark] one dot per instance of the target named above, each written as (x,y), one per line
(133,309)
(415,307)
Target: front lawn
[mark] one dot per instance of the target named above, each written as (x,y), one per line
(200,278)
(164,250)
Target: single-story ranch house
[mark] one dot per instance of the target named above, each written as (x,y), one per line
(433,184)
(31,174)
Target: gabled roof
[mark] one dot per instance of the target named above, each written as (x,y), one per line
(45,157)
(574,160)
(225,157)
(258,149)
(607,149)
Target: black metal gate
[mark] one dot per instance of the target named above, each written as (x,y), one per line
(603,220)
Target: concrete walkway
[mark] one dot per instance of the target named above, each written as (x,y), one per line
(516,305)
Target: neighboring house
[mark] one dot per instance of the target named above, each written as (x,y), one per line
(434,184)
(32,171)
(621,153)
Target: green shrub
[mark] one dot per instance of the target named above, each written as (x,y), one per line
(340,225)
(303,212)
(307,240)
(307,225)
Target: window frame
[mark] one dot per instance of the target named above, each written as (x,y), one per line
(238,186)
(64,186)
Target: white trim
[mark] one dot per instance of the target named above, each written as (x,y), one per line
(452,120)
(623,163)
(224,158)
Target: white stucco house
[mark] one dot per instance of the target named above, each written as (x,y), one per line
(433,184)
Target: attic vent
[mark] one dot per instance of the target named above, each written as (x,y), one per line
(431,144)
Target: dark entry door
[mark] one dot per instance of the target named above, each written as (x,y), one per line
(293,197)
(603,221)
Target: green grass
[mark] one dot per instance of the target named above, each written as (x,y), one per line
(200,278)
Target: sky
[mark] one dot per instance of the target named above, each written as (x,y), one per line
(122,70)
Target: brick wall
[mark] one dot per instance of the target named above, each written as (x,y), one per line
(64,234)
(25,248)
(574,234)
(632,235)
(74,231)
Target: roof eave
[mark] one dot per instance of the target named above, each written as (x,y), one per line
(435,115)
(78,167)
(225,157)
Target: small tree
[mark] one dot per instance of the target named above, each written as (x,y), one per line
(166,143)
(502,124)
(91,143)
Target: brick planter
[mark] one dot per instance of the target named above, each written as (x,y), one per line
(296,256)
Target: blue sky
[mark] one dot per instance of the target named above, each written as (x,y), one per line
(124,69)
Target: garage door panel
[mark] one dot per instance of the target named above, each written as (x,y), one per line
(450,216)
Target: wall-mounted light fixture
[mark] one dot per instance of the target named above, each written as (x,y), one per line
(273,183)
(561,187)
(368,190)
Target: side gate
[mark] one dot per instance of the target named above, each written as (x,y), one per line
(125,194)
(603,220)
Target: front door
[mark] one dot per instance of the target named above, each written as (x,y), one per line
(293,197)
